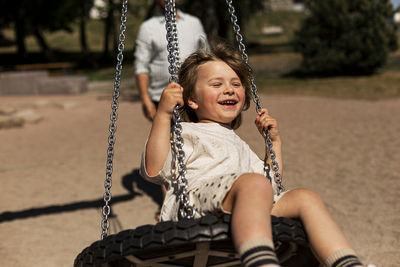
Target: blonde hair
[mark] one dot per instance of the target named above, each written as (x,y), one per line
(188,76)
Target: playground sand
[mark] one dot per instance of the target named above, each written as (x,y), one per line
(52,171)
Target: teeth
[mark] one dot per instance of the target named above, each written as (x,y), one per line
(228,102)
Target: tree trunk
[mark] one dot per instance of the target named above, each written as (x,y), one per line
(210,21)
(113,31)
(82,27)
(84,46)
(106,35)
(223,20)
(43,44)
(20,36)
(109,31)
(242,12)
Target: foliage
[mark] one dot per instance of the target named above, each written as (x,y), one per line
(46,14)
(34,17)
(342,37)
(215,16)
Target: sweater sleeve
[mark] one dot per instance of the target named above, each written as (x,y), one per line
(143,50)
(169,173)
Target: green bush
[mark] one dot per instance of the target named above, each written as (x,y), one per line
(342,37)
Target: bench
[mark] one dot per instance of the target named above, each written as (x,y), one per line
(47,66)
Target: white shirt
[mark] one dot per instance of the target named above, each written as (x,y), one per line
(211,150)
(151,48)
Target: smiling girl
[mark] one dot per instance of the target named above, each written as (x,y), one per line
(224,174)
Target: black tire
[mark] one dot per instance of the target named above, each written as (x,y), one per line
(173,243)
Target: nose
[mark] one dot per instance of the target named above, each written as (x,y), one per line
(229,90)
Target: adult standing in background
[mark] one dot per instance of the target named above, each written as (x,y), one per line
(151,63)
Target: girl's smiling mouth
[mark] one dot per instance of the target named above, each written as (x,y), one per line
(228,103)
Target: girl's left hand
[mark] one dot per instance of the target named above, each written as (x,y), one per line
(264,122)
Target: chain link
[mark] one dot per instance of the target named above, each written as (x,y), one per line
(256,99)
(185,210)
(175,38)
(105,224)
(172,40)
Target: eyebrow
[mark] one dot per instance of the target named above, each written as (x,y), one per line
(220,78)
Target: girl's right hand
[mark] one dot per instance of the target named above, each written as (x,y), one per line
(265,122)
(170,97)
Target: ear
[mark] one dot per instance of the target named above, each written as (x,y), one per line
(192,103)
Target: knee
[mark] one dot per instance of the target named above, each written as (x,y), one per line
(307,196)
(255,183)
(249,186)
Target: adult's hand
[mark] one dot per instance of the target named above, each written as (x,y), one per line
(149,110)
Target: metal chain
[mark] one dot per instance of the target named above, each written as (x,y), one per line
(256,99)
(105,224)
(185,210)
(172,41)
(175,37)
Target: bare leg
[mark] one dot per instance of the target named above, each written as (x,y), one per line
(250,201)
(324,234)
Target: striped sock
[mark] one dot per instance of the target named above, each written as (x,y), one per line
(258,252)
(343,258)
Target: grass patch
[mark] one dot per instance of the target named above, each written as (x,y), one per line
(379,86)
(289,21)
(69,41)
(393,62)
(108,73)
(271,77)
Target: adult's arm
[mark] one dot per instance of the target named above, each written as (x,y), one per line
(143,51)
(142,81)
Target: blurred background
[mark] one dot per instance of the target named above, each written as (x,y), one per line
(292,44)
(329,70)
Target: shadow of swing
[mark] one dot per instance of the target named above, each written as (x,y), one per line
(150,189)
(129,181)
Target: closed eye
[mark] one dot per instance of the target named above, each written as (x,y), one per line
(216,84)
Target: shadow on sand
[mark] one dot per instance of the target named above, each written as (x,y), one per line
(129,181)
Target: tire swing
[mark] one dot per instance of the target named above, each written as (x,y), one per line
(188,242)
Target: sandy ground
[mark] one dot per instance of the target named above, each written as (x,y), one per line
(52,172)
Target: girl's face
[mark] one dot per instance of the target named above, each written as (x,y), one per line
(219,94)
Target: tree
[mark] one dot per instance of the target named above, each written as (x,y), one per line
(342,37)
(35,17)
(216,18)
(110,30)
(11,13)
(111,14)
(84,8)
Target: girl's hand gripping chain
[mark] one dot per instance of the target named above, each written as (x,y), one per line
(264,121)
(171,96)
(158,144)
